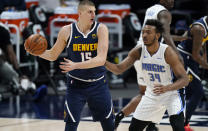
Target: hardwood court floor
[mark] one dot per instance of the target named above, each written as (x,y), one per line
(22,124)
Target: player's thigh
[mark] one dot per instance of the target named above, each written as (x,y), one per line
(194,88)
(175,104)
(73,106)
(100,103)
(149,109)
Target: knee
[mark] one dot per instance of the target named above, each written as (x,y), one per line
(71,126)
(108,124)
(131,127)
(138,125)
(177,122)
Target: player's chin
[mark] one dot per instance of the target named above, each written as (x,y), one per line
(146,43)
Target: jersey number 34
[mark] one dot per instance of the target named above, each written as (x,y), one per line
(154,77)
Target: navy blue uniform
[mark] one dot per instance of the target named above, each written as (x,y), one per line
(86,85)
(194,91)
(82,48)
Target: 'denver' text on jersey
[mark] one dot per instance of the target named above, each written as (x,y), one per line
(83,47)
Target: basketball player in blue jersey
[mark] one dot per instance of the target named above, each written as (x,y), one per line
(159,12)
(158,60)
(87,44)
(194,55)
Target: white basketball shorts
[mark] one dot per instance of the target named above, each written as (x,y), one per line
(153,108)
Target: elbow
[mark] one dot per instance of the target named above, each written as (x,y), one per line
(117,73)
(49,55)
(52,59)
(101,62)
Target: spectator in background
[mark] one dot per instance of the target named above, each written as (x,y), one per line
(180,27)
(10,73)
(7,5)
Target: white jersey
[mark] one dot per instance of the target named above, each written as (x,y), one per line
(155,70)
(152,13)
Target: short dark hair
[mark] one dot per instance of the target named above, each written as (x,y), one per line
(85,2)
(157,24)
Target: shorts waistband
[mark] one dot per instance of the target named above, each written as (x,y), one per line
(89,80)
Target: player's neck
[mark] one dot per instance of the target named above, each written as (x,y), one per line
(152,49)
(83,27)
(160,3)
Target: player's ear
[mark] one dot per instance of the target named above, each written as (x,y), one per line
(158,35)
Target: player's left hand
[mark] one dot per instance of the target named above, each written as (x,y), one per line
(159,89)
(67,65)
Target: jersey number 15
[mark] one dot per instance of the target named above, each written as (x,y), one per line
(86,56)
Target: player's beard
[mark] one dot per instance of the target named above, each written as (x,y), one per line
(152,42)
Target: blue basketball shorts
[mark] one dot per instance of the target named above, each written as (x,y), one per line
(95,94)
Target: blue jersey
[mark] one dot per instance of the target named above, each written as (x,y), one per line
(83,47)
(186,46)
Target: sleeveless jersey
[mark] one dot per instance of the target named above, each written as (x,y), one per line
(186,45)
(155,70)
(152,13)
(83,47)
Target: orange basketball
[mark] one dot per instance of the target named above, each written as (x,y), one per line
(36,44)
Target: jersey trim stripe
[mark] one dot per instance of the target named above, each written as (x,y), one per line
(89,80)
(206,28)
(181,50)
(85,36)
(198,23)
(70,36)
(110,111)
(195,75)
(182,105)
(98,28)
(69,111)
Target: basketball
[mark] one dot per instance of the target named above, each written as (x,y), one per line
(35,44)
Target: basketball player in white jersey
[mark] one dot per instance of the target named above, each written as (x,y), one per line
(157,61)
(159,12)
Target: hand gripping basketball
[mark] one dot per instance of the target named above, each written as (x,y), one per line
(36,44)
